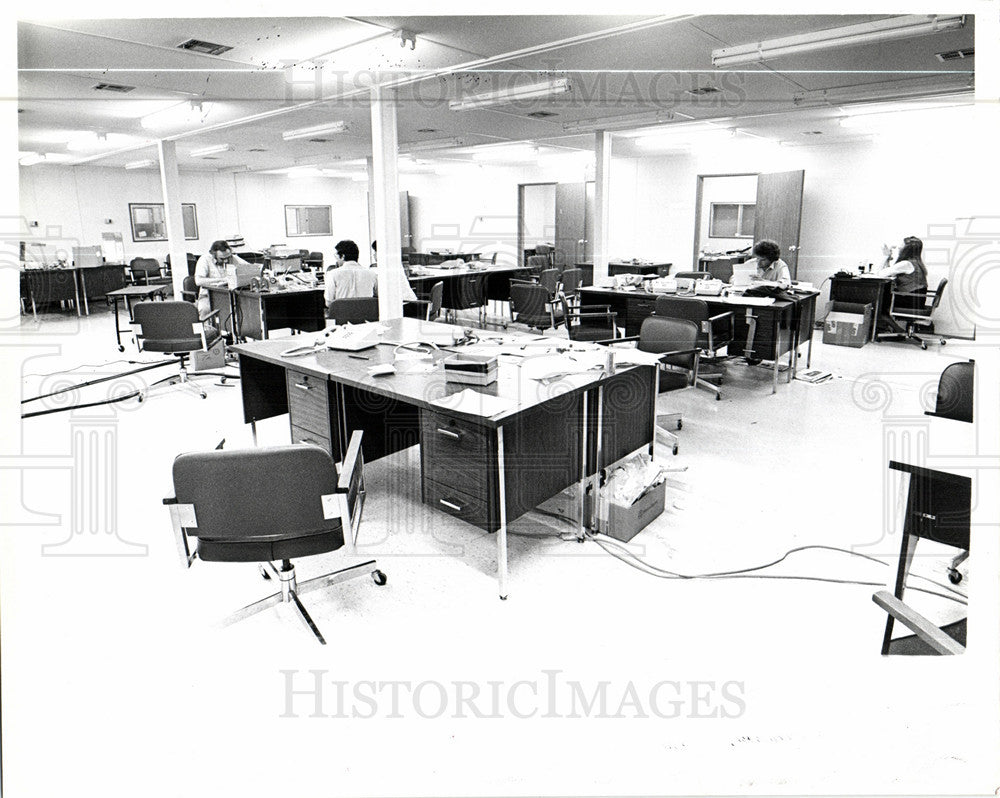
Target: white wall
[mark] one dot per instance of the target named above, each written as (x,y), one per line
(539,215)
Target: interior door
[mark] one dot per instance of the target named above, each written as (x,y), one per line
(571,232)
(779,213)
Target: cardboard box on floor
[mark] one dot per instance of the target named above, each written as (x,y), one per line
(847,324)
(625,522)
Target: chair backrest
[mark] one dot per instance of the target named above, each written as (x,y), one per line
(315,260)
(189,289)
(550,279)
(693,275)
(436,298)
(529,300)
(695,310)
(955,393)
(538,262)
(590,323)
(144,268)
(661,334)
(353,309)
(938,293)
(169,326)
(543,249)
(260,494)
(571,281)
(192,261)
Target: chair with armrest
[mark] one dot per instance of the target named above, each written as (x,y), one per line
(353,310)
(536,263)
(469,294)
(955,400)
(938,508)
(912,311)
(146,271)
(189,291)
(590,323)
(572,279)
(174,327)
(270,505)
(531,304)
(314,260)
(676,342)
(714,332)
(436,296)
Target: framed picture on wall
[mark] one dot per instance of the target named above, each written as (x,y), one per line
(149,221)
(308,220)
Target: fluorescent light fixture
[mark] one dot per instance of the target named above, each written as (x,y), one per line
(882,30)
(433,144)
(215,149)
(316,131)
(949,115)
(510,94)
(511,153)
(147,163)
(30,158)
(623,122)
(93,142)
(879,109)
(683,140)
(185,113)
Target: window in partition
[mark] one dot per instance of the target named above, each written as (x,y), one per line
(308,220)
(149,221)
(731,220)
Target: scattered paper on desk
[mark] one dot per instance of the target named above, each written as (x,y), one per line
(475,403)
(749,300)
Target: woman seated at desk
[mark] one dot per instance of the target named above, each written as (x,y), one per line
(770,266)
(909,279)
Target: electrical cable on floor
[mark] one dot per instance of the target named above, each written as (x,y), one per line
(628,557)
(84,366)
(78,407)
(99,380)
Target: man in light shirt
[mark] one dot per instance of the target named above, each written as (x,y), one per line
(349,278)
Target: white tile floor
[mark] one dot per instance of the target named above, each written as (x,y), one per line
(117,676)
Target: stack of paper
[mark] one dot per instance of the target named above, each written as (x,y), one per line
(475,403)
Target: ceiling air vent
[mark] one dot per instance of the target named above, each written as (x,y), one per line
(956,55)
(702,91)
(206,48)
(812,132)
(256,149)
(116,87)
(541,114)
(321,141)
(427,130)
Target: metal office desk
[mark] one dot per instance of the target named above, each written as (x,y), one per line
(72,283)
(256,313)
(623,267)
(486,471)
(874,291)
(769,331)
(128,294)
(455,295)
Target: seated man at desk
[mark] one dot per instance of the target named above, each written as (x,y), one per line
(349,278)
(770,266)
(211,271)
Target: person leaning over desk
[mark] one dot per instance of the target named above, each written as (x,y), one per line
(909,277)
(211,271)
(770,266)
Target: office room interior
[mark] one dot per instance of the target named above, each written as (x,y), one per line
(735,641)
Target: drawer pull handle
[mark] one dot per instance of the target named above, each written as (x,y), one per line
(447,503)
(303,386)
(306,440)
(450,433)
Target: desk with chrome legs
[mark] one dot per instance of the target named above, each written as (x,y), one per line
(486,470)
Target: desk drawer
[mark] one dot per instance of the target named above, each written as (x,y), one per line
(444,438)
(308,402)
(302,435)
(473,509)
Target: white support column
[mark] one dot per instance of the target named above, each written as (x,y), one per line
(170,185)
(370,167)
(386,192)
(602,197)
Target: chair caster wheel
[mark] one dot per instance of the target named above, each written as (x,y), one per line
(923,346)
(943,342)
(675,449)
(718,397)
(121,348)
(954,576)
(680,424)
(379,578)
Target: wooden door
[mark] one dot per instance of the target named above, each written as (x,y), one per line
(571,234)
(779,213)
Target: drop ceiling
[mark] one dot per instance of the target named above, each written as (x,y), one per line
(284,73)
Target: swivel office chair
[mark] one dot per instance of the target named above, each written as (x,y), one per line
(572,279)
(714,332)
(912,312)
(189,291)
(676,341)
(267,505)
(536,263)
(938,507)
(353,310)
(314,260)
(531,304)
(436,297)
(590,323)
(955,400)
(146,271)
(174,327)
(469,293)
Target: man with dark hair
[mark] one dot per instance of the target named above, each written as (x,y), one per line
(350,278)
(770,266)
(211,270)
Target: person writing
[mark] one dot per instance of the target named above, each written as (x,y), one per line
(909,279)
(211,270)
(349,278)
(770,266)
